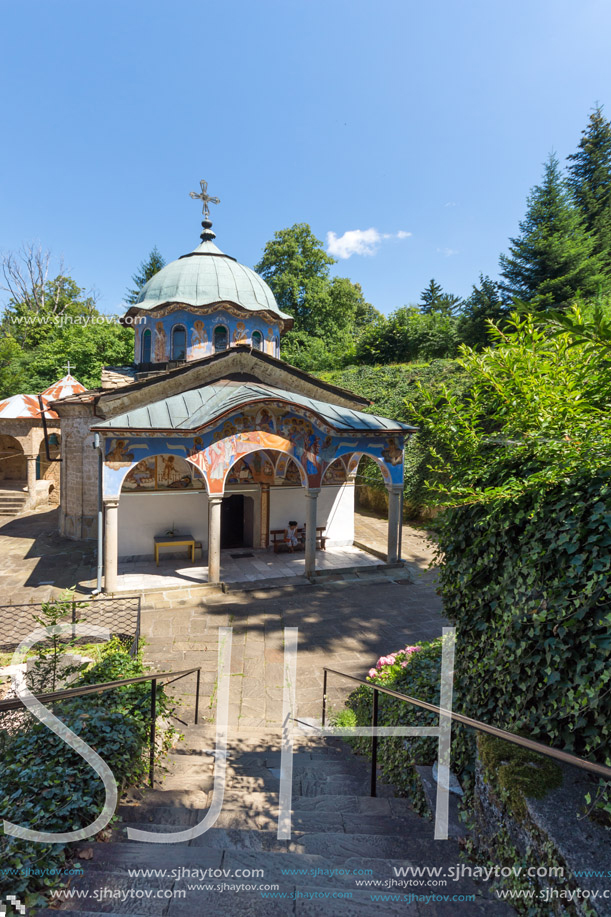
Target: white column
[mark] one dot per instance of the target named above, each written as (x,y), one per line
(111,544)
(214,539)
(310,544)
(31,463)
(394,522)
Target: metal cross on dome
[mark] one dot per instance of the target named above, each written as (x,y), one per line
(205,197)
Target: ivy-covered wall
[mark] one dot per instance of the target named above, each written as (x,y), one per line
(528,585)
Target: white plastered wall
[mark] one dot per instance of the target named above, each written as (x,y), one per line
(142,516)
(335,510)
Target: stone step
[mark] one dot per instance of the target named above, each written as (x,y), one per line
(302,821)
(261,803)
(188,797)
(172,862)
(189,764)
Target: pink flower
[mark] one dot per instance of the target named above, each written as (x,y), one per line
(372,673)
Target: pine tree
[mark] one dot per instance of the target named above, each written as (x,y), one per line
(484,304)
(589,180)
(147,269)
(553,258)
(433,299)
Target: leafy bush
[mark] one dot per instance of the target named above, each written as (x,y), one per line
(523,465)
(408,392)
(48,786)
(417,673)
(408,334)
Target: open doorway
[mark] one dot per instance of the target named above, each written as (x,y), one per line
(232,521)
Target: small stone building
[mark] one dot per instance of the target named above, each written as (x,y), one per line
(30,439)
(210,432)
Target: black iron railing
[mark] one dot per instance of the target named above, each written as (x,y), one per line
(153,677)
(600,770)
(121,616)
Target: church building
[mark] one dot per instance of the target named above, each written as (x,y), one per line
(210,433)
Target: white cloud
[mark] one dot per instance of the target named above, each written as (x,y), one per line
(359,241)
(448,252)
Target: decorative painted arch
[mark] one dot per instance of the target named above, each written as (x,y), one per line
(355,460)
(272,459)
(336,471)
(119,462)
(312,454)
(217,459)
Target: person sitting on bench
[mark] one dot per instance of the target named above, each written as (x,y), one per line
(290,535)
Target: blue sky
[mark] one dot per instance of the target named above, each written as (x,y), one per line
(430,120)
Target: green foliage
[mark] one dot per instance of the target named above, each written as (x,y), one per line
(296,267)
(46,669)
(47,786)
(516,772)
(589,180)
(329,314)
(434,300)
(38,336)
(420,678)
(408,334)
(315,354)
(553,259)
(484,305)
(535,415)
(408,392)
(523,462)
(147,269)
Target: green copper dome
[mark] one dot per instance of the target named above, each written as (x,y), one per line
(207,276)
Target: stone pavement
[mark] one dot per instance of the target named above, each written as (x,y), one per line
(239,565)
(345,624)
(37,563)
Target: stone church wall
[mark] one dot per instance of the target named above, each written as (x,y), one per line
(79,471)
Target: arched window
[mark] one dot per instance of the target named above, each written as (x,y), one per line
(220,338)
(277,346)
(179,342)
(146,347)
(257,340)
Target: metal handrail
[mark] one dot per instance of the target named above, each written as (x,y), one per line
(599,769)
(153,677)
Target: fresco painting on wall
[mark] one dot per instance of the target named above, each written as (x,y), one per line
(160,343)
(335,473)
(199,340)
(276,428)
(163,472)
(200,332)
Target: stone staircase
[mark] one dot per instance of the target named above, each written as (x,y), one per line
(12,502)
(340,836)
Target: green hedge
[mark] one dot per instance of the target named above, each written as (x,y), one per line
(47,786)
(528,585)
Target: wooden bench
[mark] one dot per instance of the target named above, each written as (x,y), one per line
(172,541)
(277,539)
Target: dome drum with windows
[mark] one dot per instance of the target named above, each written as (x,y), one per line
(203,303)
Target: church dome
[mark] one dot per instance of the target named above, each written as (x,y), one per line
(206,276)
